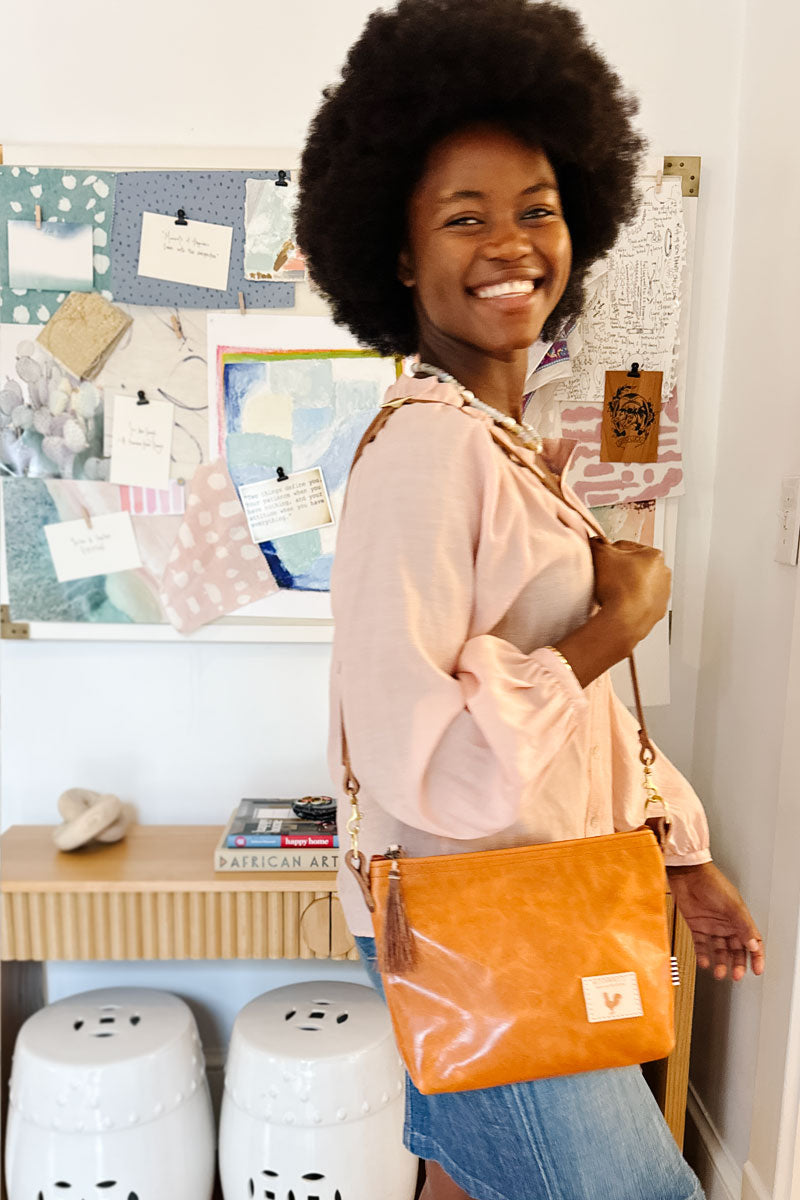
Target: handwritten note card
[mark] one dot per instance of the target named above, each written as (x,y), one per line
(277,507)
(141,442)
(198,252)
(79,551)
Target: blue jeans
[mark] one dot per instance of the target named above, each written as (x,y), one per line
(595,1136)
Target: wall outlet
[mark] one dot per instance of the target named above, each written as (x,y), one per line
(788,544)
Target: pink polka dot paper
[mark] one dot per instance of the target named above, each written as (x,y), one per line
(214,567)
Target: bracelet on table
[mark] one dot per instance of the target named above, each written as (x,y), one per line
(564,660)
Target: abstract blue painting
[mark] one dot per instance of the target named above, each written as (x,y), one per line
(294,410)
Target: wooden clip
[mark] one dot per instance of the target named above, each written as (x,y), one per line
(38,211)
(659,180)
(242,308)
(86,516)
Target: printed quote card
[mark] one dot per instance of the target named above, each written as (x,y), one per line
(141,442)
(197,253)
(294,504)
(97,546)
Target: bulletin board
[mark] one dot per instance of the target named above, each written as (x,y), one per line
(238,354)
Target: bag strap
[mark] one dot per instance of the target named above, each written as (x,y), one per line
(647,752)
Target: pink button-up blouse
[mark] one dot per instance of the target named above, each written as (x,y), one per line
(454,568)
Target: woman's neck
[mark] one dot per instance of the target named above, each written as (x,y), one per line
(496,381)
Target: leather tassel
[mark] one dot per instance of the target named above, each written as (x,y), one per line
(398,950)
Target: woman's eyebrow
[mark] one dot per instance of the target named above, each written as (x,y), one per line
(469,194)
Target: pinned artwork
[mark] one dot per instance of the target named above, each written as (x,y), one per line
(631,415)
(295,409)
(163,353)
(65,197)
(289,504)
(633,298)
(629,522)
(54,257)
(180,251)
(35,593)
(83,332)
(99,546)
(51,424)
(270,249)
(140,447)
(632,313)
(154,502)
(204,197)
(599,483)
(213,568)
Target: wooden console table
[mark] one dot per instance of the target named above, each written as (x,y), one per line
(155,896)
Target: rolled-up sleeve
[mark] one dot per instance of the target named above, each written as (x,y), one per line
(445,729)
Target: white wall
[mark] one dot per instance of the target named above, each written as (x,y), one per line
(745,755)
(185,730)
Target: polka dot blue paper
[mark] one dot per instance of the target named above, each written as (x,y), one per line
(214,196)
(67,195)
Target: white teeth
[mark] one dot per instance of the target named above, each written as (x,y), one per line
(511,287)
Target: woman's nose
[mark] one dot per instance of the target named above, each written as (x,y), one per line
(507,241)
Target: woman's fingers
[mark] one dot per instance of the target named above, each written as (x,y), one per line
(702,951)
(722,957)
(757,958)
(728,956)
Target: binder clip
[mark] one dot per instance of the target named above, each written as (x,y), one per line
(282,476)
(142,398)
(181,218)
(281,181)
(634,372)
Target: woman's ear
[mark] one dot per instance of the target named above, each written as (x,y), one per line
(405,272)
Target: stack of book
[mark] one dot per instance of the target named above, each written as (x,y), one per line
(266,835)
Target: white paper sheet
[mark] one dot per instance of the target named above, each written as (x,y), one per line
(141,442)
(99,546)
(55,258)
(277,507)
(197,253)
(633,306)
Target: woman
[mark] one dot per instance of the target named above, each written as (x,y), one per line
(456,186)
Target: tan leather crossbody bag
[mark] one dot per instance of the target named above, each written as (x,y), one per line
(508,965)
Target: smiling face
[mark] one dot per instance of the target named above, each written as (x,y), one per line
(489,252)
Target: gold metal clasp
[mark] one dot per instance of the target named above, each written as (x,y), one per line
(353,826)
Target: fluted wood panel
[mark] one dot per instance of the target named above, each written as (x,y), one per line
(157,925)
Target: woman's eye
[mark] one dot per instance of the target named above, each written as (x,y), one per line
(461,220)
(537,213)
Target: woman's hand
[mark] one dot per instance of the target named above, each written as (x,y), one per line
(632,588)
(723,930)
(632,584)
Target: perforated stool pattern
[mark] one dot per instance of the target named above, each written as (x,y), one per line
(109,1101)
(314,1099)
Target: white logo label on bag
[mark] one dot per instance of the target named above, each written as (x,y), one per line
(612,997)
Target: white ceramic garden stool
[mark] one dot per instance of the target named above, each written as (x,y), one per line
(314,1099)
(109,1099)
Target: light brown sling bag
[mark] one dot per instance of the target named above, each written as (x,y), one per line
(508,965)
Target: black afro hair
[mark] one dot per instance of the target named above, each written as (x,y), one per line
(418,73)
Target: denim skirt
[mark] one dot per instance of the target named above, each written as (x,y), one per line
(594,1136)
